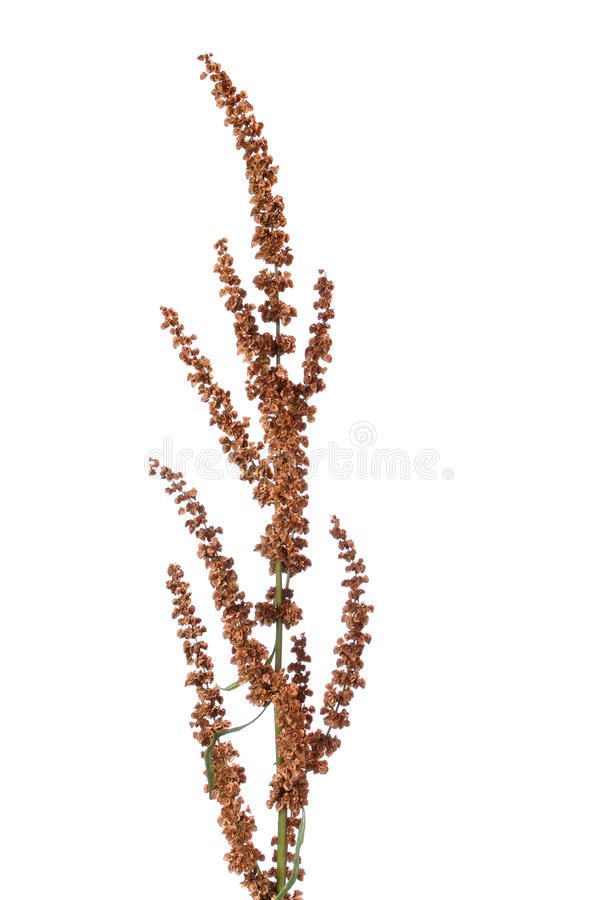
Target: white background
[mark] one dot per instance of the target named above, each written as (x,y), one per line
(439,160)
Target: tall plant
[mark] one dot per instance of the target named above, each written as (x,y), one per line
(276,467)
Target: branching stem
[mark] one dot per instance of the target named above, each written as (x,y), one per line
(281,852)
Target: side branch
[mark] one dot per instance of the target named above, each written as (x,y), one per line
(235,441)
(320,342)
(346,676)
(251,343)
(248,654)
(235,819)
(209,715)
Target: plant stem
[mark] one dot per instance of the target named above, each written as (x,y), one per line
(281,852)
(281,849)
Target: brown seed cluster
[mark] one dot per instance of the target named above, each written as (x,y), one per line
(346,676)
(289,785)
(301,674)
(270,236)
(208,717)
(288,612)
(320,342)
(276,466)
(248,654)
(235,440)
(209,714)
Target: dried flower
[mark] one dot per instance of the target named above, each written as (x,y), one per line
(276,467)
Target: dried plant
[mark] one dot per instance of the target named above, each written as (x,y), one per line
(276,467)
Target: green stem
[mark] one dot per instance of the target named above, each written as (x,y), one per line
(281,852)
